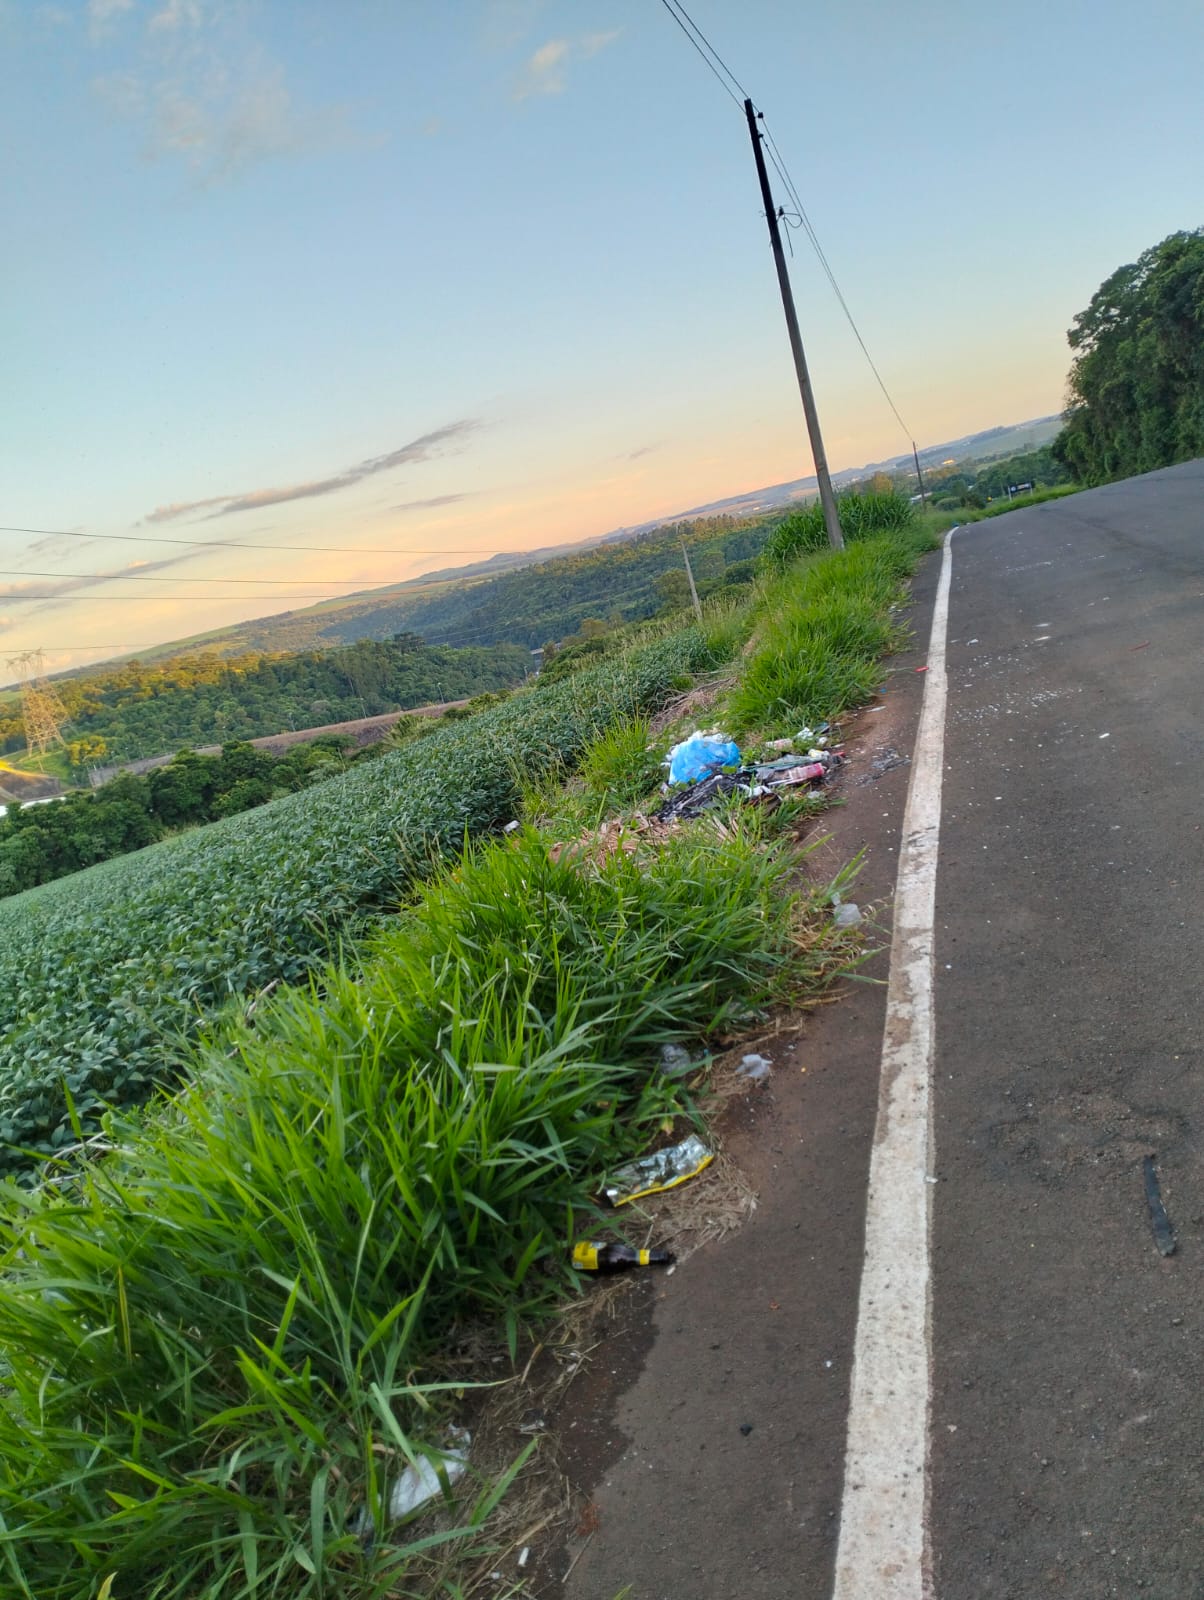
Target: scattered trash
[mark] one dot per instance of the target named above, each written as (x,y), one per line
(424,1479)
(524,1555)
(663,1169)
(693,801)
(533,1422)
(921,669)
(1105,735)
(847,916)
(807,773)
(676,1060)
(887,760)
(590,1255)
(755,1067)
(701,755)
(512,827)
(746,1428)
(1164,1234)
(1142,646)
(752,782)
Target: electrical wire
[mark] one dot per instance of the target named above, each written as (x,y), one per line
(139,577)
(705,49)
(779,164)
(82,649)
(723,72)
(155,599)
(235,544)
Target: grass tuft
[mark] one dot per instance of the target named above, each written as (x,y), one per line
(825,623)
(222,1340)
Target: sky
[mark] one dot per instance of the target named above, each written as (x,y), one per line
(401,284)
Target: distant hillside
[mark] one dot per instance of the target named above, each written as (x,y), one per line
(527,606)
(530,597)
(151,708)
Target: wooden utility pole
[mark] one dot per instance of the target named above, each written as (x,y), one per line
(827,498)
(685,555)
(915,456)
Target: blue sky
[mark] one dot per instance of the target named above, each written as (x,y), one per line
(440,278)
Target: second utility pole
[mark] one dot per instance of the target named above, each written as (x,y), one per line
(826,497)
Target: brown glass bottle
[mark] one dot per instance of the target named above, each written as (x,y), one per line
(591,1256)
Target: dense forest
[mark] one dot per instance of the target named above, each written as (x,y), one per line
(149,708)
(1136,389)
(43,842)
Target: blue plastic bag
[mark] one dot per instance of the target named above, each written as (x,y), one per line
(701,755)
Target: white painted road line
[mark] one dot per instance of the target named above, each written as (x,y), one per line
(883,1549)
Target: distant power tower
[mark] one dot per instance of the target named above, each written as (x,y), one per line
(42,712)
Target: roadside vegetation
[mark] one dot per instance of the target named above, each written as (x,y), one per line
(1135,397)
(223,1341)
(149,708)
(41,843)
(105,976)
(399,1054)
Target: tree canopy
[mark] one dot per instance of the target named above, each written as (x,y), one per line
(1135,397)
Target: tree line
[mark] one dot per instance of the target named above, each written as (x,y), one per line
(52,839)
(145,708)
(1135,395)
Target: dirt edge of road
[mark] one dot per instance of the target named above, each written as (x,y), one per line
(704,1441)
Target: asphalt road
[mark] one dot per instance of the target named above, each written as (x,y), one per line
(1067,1393)
(1068,1403)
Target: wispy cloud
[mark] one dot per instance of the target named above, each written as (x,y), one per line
(544,71)
(435,500)
(420,449)
(54,545)
(175,14)
(641,450)
(102,14)
(203,92)
(51,592)
(593,42)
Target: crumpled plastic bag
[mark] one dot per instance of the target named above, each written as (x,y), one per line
(701,755)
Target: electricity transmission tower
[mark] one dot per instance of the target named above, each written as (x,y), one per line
(42,712)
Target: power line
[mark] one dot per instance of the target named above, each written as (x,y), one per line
(779,163)
(139,577)
(705,49)
(235,544)
(721,70)
(82,649)
(153,599)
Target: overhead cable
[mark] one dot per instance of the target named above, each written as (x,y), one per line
(709,54)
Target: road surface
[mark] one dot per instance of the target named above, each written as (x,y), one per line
(1017,1386)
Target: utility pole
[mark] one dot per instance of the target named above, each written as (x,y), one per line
(915,456)
(685,555)
(827,498)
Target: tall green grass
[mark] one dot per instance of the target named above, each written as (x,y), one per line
(825,622)
(861,517)
(221,1340)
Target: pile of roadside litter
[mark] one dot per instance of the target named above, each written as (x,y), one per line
(708,766)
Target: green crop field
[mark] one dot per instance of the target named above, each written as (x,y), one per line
(105,977)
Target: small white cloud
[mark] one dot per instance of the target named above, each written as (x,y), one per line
(593,42)
(175,14)
(102,14)
(543,73)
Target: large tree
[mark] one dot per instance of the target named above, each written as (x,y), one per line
(1135,396)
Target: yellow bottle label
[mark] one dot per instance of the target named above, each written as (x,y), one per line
(645,1259)
(585,1256)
